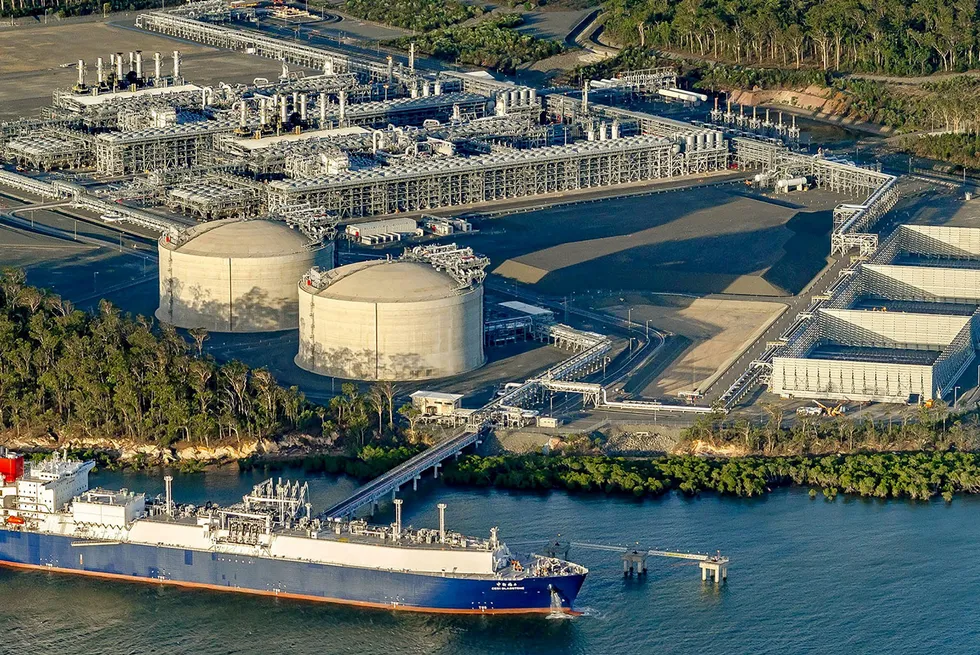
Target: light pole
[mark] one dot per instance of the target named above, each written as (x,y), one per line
(95,281)
(629,321)
(648,329)
(955,396)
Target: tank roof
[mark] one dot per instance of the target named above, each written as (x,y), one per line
(388,281)
(233,237)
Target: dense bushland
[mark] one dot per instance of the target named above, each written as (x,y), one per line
(66,373)
(904,37)
(491,43)
(417,15)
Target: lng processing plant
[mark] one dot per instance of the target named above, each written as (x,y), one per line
(365,214)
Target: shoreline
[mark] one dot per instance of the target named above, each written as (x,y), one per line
(920,475)
(905,474)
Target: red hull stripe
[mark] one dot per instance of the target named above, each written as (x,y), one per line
(282,594)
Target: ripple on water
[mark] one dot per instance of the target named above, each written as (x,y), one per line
(855,576)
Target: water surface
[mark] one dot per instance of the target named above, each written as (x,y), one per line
(808,576)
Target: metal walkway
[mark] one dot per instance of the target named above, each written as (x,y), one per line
(581,363)
(392,481)
(698,557)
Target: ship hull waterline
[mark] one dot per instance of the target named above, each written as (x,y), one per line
(289,579)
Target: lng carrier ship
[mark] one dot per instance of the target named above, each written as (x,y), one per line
(269,544)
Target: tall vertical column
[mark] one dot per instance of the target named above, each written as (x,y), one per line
(168,482)
(442,522)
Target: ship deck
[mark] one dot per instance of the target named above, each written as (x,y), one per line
(372,538)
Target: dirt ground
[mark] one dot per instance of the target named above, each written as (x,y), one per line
(698,241)
(31,58)
(719,329)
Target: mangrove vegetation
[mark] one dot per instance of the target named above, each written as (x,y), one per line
(917,476)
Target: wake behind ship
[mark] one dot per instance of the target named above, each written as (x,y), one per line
(269,544)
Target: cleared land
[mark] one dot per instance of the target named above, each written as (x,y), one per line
(554,25)
(719,330)
(31,59)
(700,241)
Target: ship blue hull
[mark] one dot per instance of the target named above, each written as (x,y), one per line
(286,579)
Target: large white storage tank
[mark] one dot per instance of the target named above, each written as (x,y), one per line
(389,320)
(235,276)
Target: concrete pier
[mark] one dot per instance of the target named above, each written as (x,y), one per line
(714,568)
(634,561)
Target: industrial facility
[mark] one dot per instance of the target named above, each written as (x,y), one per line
(235,276)
(413,318)
(358,139)
(250,184)
(903,325)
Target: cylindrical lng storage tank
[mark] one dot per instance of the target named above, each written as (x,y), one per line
(235,276)
(389,320)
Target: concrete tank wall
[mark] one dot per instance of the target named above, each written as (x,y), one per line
(233,293)
(368,340)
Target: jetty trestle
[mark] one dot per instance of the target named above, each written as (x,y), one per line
(713,567)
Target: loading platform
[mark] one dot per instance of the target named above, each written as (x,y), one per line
(713,567)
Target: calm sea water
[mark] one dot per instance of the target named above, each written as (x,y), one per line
(808,576)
